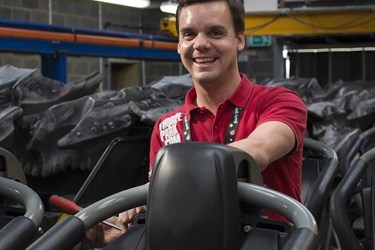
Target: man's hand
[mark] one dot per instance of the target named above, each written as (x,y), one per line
(102,235)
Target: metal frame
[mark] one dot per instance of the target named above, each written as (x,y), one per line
(55,43)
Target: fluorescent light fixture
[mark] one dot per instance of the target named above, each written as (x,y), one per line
(129,3)
(168,7)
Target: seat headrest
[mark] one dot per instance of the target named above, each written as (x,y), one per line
(193,199)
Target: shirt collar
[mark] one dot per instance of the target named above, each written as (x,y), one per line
(239,98)
(243,92)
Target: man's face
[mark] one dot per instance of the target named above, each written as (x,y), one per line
(208,45)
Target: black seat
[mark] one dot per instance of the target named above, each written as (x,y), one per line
(182,202)
(319,173)
(192,203)
(193,192)
(357,181)
(22,229)
(362,143)
(320,167)
(10,168)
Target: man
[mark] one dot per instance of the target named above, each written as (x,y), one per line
(224,106)
(271,121)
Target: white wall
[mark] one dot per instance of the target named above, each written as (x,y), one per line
(260,5)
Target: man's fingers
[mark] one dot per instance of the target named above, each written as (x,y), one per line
(140,209)
(99,234)
(124,217)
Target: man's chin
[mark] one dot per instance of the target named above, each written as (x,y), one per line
(204,77)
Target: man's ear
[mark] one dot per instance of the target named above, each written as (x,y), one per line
(178,47)
(241,42)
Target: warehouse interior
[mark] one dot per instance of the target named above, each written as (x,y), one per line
(82,83)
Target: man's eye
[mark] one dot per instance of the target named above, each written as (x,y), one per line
(216,33)
(188,35)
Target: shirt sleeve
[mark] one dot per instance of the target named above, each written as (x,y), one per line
(285,106)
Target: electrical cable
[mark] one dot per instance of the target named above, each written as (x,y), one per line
(261,26)
(347,25)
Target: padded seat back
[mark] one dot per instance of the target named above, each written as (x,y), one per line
(193,198)
(265,239)
(320,169)
(340,211)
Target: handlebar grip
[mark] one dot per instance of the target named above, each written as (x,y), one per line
(64,205)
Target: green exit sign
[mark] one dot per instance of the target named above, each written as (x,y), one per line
(258,41)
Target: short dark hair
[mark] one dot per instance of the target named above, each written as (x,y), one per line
(236,9)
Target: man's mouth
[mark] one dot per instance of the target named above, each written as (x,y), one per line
(202,60)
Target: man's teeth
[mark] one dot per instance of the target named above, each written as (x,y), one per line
(204,60)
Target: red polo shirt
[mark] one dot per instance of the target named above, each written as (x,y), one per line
(260,104)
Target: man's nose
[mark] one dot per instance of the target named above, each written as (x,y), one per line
(201,41)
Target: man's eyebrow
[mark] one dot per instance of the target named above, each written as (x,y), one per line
(217,27)
(210,27)
(185,29)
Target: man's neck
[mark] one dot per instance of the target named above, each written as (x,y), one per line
(211,96)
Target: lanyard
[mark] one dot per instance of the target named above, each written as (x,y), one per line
(231,129)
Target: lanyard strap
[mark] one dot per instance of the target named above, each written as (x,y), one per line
(231,129)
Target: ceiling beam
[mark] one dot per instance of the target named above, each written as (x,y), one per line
(312,21)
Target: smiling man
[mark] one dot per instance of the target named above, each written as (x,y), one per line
(224,106)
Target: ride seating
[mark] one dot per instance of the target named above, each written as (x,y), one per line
(21,228)
(10,168)
(352,202)
(193,203)
(320,168)
(205,211)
